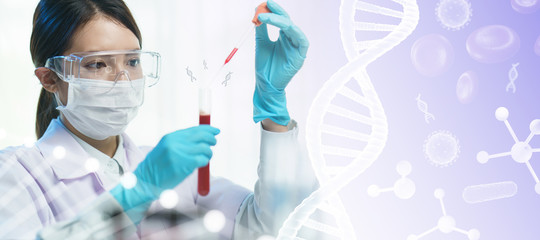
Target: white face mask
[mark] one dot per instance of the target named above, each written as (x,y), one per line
(100,109)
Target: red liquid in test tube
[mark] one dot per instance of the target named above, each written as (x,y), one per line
(203,185)
(204,173)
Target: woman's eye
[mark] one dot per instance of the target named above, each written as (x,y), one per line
(96,65)
(134,62)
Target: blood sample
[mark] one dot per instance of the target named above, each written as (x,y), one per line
(203,186)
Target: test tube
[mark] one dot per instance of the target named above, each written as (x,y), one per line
(205,104)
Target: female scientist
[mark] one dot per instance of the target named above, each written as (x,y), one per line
(89,61)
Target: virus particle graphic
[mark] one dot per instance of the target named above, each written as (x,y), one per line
(441,148)
(454,14)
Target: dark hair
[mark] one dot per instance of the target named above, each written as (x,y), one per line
(55,22)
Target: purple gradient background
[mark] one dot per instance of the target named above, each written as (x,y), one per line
(398,84)
(474,124)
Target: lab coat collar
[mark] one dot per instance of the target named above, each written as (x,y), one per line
(72,164)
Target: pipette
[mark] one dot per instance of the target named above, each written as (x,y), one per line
(205,98)
(245,35)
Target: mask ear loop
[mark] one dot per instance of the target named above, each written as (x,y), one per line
(56,96)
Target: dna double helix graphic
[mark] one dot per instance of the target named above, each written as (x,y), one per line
(403,16)
(423,107)
(190,74)
(227,79)
(512,76)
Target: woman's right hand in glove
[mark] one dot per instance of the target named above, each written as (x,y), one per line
(174,158)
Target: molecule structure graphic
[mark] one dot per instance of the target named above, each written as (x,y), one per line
(521,151)
(446,223)
(441,148)
(403,188)
(454,14)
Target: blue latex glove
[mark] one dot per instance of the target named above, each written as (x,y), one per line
(174,158)
(276,63)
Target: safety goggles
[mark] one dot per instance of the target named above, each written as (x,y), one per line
(107,65)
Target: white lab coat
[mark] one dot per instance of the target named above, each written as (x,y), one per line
(55,196)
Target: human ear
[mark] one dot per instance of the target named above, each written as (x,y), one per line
(48,79)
